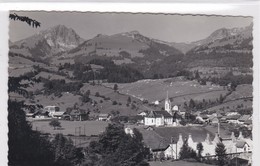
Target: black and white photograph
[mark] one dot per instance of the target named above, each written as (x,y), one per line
(129,89)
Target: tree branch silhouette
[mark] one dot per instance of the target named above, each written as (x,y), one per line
(26,19)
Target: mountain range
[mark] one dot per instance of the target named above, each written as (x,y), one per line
(59,44)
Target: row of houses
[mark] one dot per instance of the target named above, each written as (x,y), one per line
(245,120)
(169,140)
(50,112)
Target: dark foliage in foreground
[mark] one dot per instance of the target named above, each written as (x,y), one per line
(31,148)
(117,148)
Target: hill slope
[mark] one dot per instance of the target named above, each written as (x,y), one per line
(224,48)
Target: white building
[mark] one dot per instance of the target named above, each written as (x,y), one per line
(104,117)
(169,141)
(53,111)
(158,118)
(162,118)
(232,145)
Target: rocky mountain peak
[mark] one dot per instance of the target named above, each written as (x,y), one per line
(61,37)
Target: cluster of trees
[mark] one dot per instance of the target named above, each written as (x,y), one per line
(221,58)
(187,152)
(55,123)
(115,147)
(200,105)
(58,86)
(85,97)
(233,79)
(110,71)
(245,111)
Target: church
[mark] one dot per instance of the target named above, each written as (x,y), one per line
(162,118)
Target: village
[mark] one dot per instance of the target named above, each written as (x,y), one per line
(164,131)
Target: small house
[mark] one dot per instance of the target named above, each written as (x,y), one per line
(40,114)
(233,119)
(52,110)
(242,146)
(143,113)
(136,119)
(213,119)
(104,117)
(76,115)
(244,118)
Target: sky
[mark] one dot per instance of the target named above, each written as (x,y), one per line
(170,28)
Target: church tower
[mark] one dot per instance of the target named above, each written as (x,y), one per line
(167,105)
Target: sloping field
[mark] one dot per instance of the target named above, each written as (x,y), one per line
(242,91)
(179,90)
(51,76)
(232,105)
(20,65)
(16,72)
(106,105)
(65,101)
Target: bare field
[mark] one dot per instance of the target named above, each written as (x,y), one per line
(87,128)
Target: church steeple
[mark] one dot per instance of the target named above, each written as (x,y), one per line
(167,105)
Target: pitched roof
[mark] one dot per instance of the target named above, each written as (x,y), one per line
(203,116)
(158,114)
(163,113)
(244,118)
(233,117)
(103,115)
(240,144)
(153,140)
(152,114)
(198,134)
(248,122)
(77,112)
(213,118)
(136,117)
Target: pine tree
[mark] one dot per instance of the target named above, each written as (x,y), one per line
(200,149)
(186,151)
(129,100)
(192,104)
(221,98)
(115,87)
(55,123)
(221,154)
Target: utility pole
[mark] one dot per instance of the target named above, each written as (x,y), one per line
(75,136)
(84,128)
(172,145)
(218,127)
(176,151)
